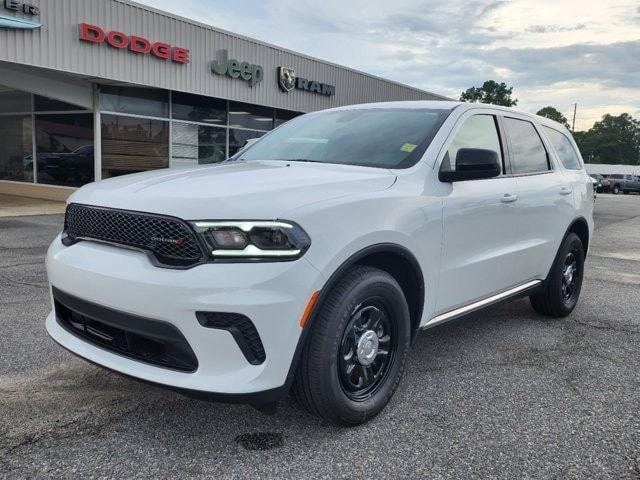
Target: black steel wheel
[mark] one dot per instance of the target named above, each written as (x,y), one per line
(366,350)
(570,275)
(561,289)
(354,356)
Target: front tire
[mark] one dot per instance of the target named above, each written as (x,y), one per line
(355,355)
(616,190)
(562,288)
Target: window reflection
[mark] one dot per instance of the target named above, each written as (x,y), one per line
(139,101)
(133,144)
(16,155)
(14,101)
(196,108)
(46,104)
(250,116)
(197,144)
(283,116)
(237,139)
(64,145)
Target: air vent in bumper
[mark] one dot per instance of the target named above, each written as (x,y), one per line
(152,341)
(242,329)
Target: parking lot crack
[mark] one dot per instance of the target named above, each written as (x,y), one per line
(18,282)
(624,328)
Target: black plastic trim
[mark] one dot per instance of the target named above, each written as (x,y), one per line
(580,220)
(145,327)
(253,357)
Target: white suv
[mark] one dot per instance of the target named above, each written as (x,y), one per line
(310,260)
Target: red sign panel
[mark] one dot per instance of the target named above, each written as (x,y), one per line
(164,51)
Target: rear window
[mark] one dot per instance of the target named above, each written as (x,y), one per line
(564,149)
(528,154)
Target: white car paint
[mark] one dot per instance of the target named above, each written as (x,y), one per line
(470,243)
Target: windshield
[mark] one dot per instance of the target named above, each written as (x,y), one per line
(377,137)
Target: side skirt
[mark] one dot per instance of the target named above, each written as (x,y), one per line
(506,295)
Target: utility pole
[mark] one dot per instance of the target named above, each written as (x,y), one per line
(573,125)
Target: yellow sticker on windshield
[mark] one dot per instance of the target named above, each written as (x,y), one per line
(408,147)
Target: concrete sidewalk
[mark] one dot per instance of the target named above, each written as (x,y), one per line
(13,206)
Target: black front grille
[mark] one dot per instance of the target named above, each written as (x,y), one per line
(169,239)
(242,329)
(152,341)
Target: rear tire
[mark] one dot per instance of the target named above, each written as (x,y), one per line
(562,288)
(364,318)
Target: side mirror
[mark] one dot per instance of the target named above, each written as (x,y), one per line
(472,164)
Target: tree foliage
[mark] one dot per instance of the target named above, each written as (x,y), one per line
(490,92)
(613,140)
(553,114)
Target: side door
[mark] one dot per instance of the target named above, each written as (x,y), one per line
(546,204)
(479,222)
(633,183)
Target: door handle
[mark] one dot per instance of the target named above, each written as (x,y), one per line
(565,190)
(509,198)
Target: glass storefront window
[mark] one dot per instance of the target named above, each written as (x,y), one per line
(137,125)
(237,139)
(283,116)
(16,148)
(14,101)
(140,101)
(132,144)
(64,148)
(197,108)
(250,116)
(197,144)
(46,104)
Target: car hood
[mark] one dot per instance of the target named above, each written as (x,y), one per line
(234,190)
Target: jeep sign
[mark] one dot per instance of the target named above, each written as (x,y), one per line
(248,72)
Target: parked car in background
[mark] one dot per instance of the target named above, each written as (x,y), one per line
(310,259)
(624,183)
(597,182)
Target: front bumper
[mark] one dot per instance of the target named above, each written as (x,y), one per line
(271,295)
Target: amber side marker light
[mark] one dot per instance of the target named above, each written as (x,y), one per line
(309,308)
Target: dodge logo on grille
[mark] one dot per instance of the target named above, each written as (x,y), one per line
(175,241)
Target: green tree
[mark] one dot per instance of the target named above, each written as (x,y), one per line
(490,92)
(614,140)
(553,114)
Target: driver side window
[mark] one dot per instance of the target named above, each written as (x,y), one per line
(478,131)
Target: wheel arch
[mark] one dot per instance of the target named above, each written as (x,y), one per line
(580,227)
(381,256)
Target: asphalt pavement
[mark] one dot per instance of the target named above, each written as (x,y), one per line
(503,393)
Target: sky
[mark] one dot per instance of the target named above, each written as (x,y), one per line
(554,53)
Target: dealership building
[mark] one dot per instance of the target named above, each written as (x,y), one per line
(91,89)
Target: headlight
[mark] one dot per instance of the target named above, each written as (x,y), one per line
(253,240)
